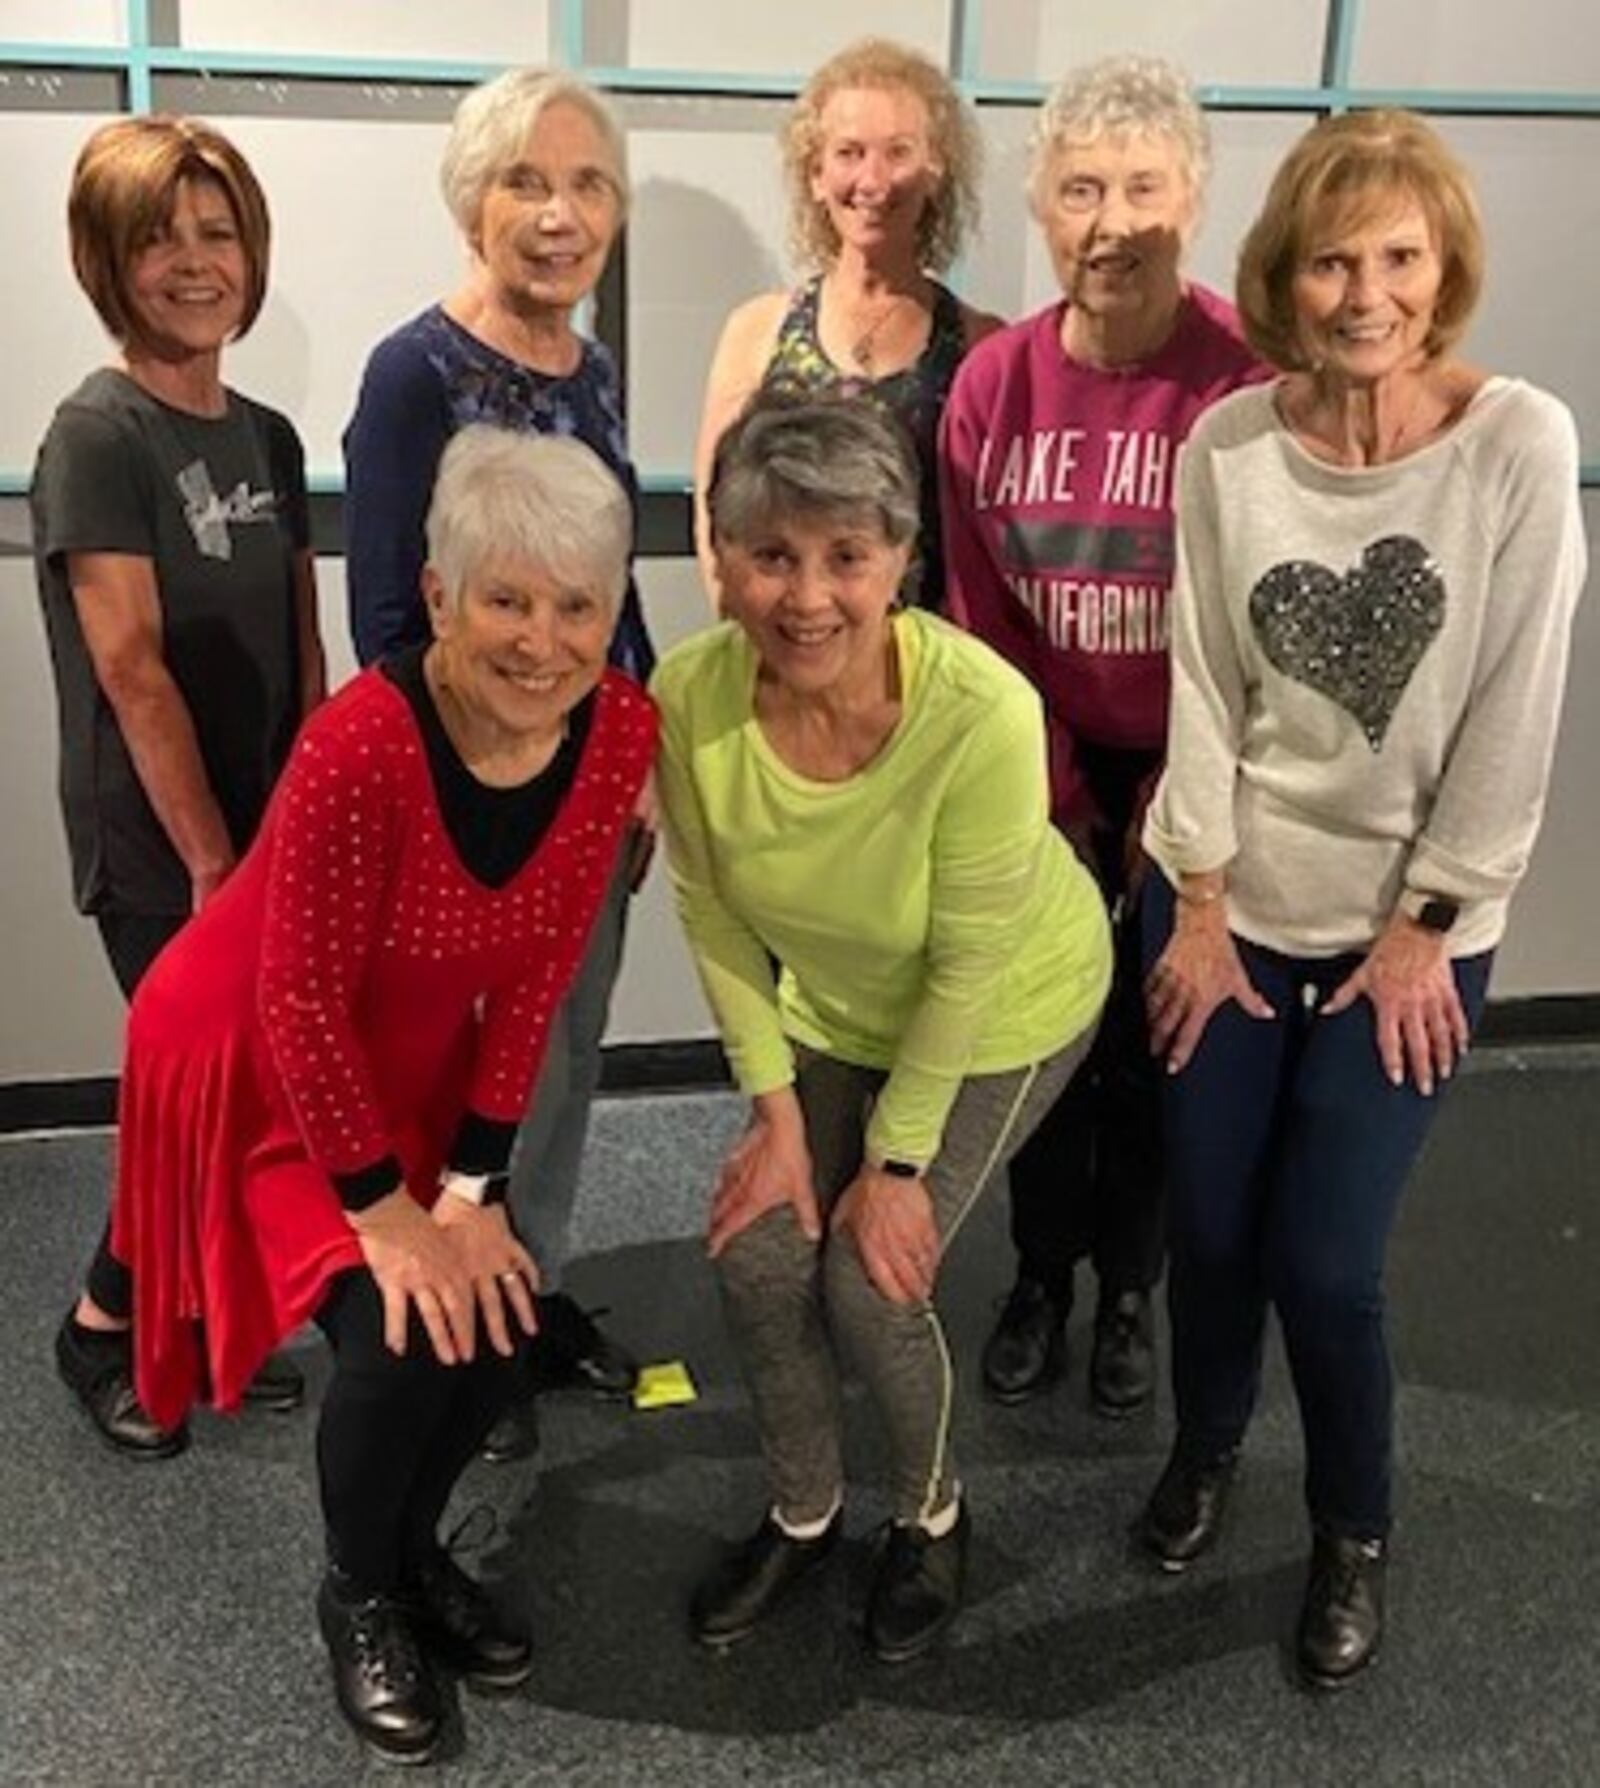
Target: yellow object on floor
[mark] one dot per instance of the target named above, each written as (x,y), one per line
(662,1385)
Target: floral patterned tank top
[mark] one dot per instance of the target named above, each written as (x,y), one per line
(915,396)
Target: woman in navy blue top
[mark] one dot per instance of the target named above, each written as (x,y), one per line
(535,175)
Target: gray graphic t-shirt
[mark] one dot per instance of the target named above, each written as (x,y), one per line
(219,508)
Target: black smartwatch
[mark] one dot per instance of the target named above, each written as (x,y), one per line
(900,1170)
(1433,912)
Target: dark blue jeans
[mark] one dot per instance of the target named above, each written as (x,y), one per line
(1287,1151)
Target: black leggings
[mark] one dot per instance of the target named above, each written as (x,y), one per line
(396,1432)
(132,942)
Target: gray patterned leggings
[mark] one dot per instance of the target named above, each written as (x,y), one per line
(795,1307)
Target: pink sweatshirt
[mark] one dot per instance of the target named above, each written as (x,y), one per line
(1057,482)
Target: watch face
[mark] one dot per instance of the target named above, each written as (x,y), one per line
(1436,914)
(901,1170)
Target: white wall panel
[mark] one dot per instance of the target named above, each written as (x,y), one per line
(63,1014)
(733,36)
(53,337)
(706,233)
(1546,45)
(1234,42)
(1553,944)
(1540,314)
(87,22)
(362,241)
(463,31)
(658,996)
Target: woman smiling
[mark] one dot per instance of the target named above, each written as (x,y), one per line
(1057,456)
(324,1074)
(1379,557)
(857,792)
(535,175)
(172,544)
(881,159)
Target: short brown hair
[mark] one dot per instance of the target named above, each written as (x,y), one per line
(1347,167)
(877,62)
(123,189)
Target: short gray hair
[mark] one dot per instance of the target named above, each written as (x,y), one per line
(492,123)
(809,458)
(545,501)
(1116,95)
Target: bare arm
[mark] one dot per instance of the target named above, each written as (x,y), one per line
(748,338)
(120,614)
(313,661)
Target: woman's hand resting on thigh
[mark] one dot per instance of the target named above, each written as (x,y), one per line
(500,1269)
(1417,1012)
(414,1261)
(890,1220)
(769,1166)
(1198,971)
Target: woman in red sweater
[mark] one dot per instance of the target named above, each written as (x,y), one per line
(325,1072)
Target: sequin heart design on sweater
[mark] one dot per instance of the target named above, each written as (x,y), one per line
(1355,639)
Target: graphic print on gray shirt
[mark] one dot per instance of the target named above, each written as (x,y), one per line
(218,507)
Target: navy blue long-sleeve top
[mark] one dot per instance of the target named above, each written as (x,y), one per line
(422,383)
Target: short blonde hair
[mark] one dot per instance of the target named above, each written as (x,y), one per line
(1120,95)
(492,123)
(124,187)
(876,62)
(1347,168)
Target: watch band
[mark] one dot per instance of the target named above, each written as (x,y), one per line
(1433,912)
(473,1187)
(901,1170)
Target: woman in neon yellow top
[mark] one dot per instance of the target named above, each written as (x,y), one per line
(860,794)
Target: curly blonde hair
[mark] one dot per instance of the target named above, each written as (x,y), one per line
(877,62)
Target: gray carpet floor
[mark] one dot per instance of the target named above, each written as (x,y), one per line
(156,1621)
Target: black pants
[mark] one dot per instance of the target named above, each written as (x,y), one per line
(1088,1182)
(395,1434)
(132,942)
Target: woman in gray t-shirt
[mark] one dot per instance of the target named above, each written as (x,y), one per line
(172,545)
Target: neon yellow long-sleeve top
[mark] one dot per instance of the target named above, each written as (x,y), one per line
(928,918)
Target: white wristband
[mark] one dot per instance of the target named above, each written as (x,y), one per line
(471,1188)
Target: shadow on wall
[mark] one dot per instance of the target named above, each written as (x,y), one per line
(281,340)
(692,257)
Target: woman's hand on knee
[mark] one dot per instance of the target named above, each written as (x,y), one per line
(768,1167)
(1419,1022)
(890,1220)
(415,1263)
(500,1270)
(1199,970)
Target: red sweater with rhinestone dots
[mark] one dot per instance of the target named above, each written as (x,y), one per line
(346,996)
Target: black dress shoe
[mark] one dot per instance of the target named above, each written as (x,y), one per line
(1028,1349)
(572,1349)
(918,1589)
(750,1582)
(1122,1368)
(383,1684)
(516,1435)
(1341,1618)
(1185,1509)
(278,1385)
(97,1367)
(460,1627)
